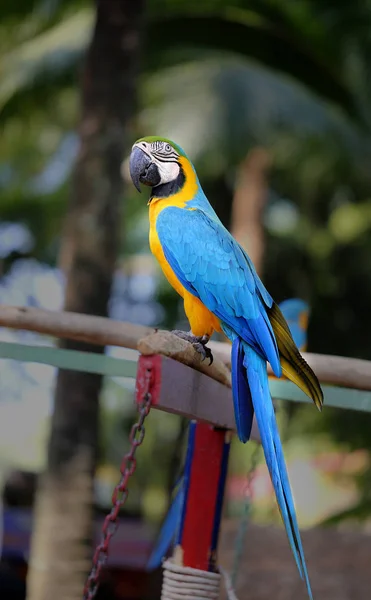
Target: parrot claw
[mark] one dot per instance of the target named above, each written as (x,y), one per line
(204,351)
(198,342)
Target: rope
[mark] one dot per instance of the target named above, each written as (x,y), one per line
(185,583)
(231,595)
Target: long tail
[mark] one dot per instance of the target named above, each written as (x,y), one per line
(258,394)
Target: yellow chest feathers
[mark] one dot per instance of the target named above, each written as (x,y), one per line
(202,321)
(154,210)
(157,205)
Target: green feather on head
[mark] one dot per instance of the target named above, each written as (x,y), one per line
(155,138)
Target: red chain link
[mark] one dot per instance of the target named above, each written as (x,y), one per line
(120,493)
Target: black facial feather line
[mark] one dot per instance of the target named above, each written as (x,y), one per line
(163,152)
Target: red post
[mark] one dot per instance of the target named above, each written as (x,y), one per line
(205,475)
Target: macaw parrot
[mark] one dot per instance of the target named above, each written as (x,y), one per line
(222,292)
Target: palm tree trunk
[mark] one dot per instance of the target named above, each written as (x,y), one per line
(61,546)
(248,205)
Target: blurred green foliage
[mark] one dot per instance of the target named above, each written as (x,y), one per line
(220,77)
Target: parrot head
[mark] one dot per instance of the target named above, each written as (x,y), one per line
(156,162)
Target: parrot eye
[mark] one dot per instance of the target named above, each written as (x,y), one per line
(163,151)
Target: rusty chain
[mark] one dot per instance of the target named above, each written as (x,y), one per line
(120,494)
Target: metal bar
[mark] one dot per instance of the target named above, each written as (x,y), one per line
(335,397)
(73,360)
(207,456)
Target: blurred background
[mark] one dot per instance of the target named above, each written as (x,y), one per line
(272,102)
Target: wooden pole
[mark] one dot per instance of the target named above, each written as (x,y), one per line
(205,476)
(339,371)
(336,370)
(73,326)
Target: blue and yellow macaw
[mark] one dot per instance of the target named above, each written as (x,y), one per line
(222,292)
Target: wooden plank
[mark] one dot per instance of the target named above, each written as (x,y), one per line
(184,391)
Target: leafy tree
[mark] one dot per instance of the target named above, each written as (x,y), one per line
(89,249)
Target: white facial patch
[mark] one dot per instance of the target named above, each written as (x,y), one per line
(168,171)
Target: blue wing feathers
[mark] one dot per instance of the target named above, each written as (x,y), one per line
(214,268)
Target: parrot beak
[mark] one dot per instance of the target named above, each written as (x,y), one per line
(142,169)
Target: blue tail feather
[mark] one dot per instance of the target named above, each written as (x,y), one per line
(259,392)
(168,530)
(243,407)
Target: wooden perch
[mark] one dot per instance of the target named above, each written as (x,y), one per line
(74,326)
(335,370)
(107,332)
(186,392)
(168,344)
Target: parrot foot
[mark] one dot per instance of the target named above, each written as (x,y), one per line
(198,342)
